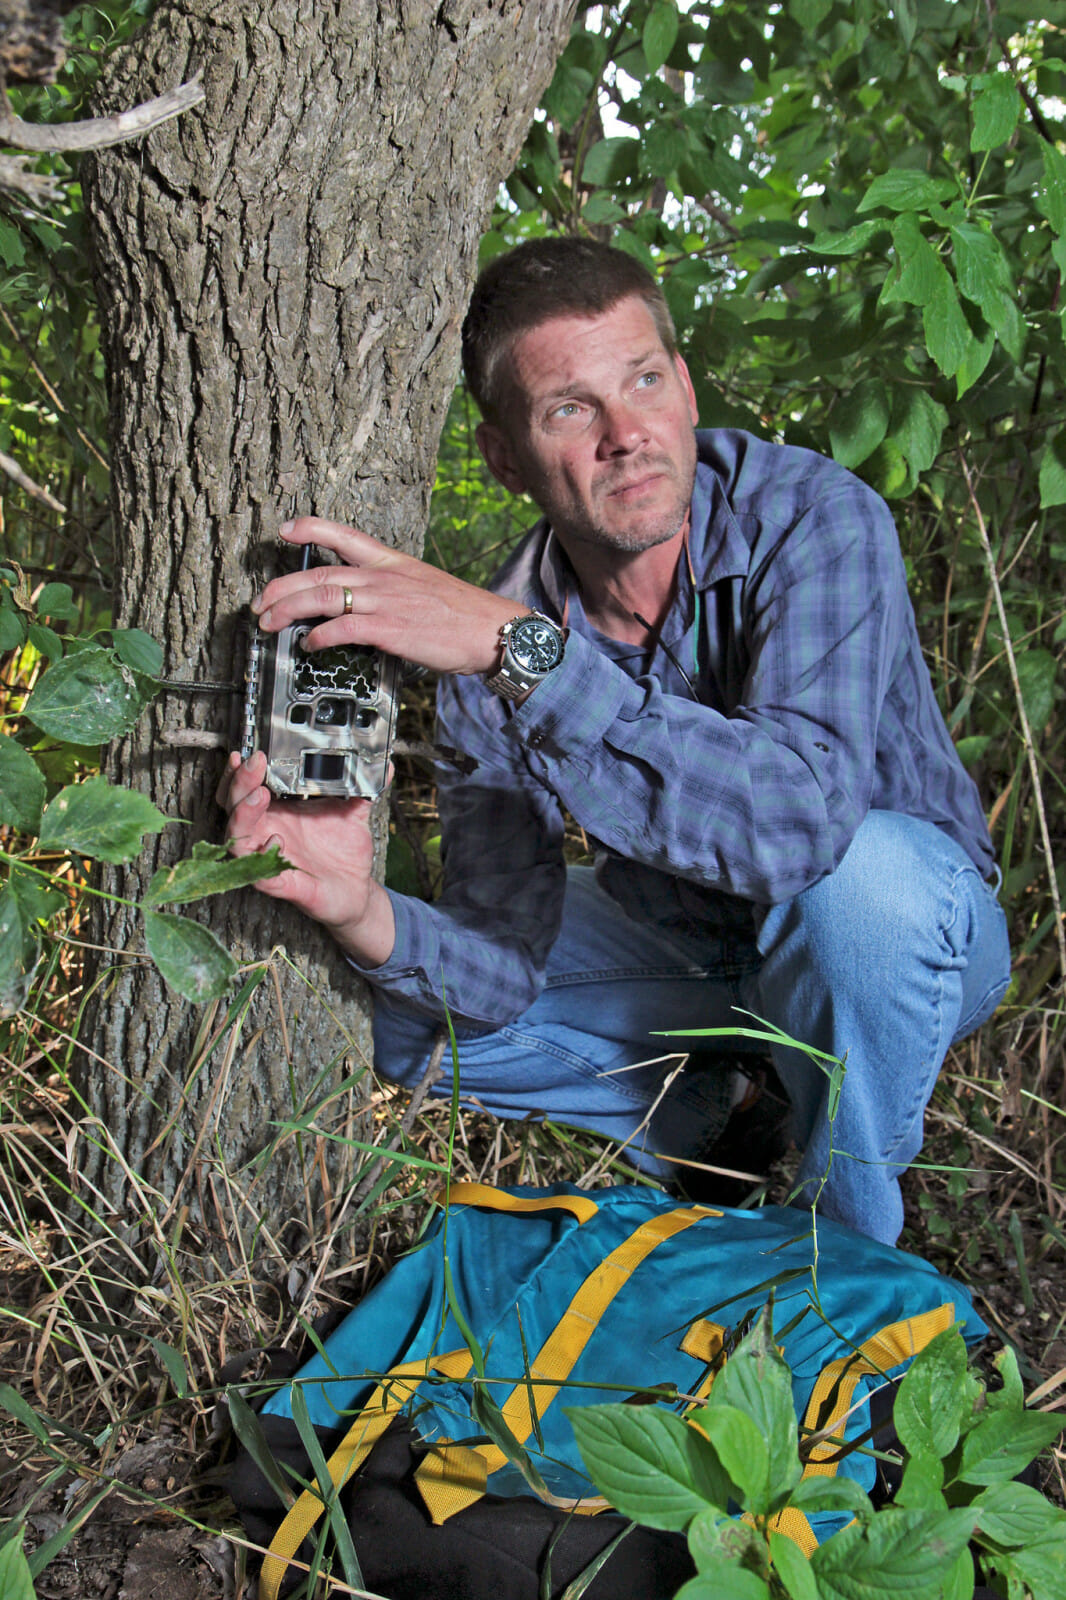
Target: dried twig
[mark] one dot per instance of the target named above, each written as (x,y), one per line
(24,481)
(95,133)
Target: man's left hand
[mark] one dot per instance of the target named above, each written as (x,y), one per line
(382,597)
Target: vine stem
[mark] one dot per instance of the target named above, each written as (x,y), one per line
(1027,733)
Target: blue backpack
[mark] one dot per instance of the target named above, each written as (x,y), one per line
(574,1298)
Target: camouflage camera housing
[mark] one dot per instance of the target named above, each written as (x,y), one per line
(324,718)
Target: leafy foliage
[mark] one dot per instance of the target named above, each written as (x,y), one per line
(738,1455)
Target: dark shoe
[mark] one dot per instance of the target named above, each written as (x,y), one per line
(737,1163)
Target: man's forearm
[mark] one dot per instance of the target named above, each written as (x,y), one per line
(370,938)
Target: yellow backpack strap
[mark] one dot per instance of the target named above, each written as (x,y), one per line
(557,1356)
(394,1391)
(880,1353)
(581,1206)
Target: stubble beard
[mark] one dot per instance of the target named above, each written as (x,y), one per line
(572,526)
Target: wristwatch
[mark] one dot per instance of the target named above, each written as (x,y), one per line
(532,647)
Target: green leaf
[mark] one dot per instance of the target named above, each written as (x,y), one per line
(743,1452)
(810,14)
(996,108)
(16,1582)
(934,1397)
(38,900)
(86,698)
(22,787)
(1010,1395)
(1037,672)
(138,650)
(1003,1444)
(12,629)
(211,870)
(56,600)
(189,956)
(896,1552)
(568,95)
(18,954)
(1040,1566)
(947,333)
(175,1367)
(663,150)
(917,426)
(981,269)
(249,1431)
(660,32)
(610,161)
(1051,193)
(757,1383)
(714,1535)
(100,820)
(922,1484)
(1053,472)
(830,1494)
(859,422)
(918,274)
(904,190)
(1013,1514)
(725,1581)
(46,640)
(650,1465)
(959,1583)
(793,1568)
(850,242)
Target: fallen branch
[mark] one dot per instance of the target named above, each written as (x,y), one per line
(97,132)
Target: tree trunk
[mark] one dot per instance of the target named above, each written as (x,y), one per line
(282,275)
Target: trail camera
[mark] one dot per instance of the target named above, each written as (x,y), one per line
(323,718)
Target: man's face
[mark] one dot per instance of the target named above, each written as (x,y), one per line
(598,429)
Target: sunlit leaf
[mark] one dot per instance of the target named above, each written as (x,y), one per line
(100,820)
(86,698)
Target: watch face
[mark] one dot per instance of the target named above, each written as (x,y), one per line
(536,644)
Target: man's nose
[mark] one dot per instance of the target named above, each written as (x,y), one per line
(622,428)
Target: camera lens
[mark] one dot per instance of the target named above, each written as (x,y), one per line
(329,712)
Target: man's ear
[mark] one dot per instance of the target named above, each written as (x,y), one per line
(495,446)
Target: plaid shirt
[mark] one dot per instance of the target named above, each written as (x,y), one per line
(807,704)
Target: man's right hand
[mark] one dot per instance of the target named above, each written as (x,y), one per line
(331,851)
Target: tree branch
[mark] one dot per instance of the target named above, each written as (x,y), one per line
(96,132)
(24,481)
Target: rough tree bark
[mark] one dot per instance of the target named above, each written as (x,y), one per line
(282,275)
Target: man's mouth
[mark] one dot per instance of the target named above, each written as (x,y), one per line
(633,487)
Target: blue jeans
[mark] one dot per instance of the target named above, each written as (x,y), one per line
(898,953)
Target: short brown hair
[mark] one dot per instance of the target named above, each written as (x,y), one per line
(541,279)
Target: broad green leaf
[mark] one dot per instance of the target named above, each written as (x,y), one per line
(810,14)
(660,32)
(189,956)
(996,108)
(714,1535)
(981,269)
(897,1552)
(919,274)
(18,952)
(100,820)
(650,1465)
(22,787)
(902,189)
(743,1452)
(86,698)
(568,95)
(12,629)
(1011,1394)
(934,1397)
(830,1494)
(1013,1514)
(210,870)
(947,333)
(1053,472)
(1037,672)
(850,242)
(249,1430)
(976,356)
(1003,1443)
(756,1382)
(175,1367)
(44,639)
(1051,193)
(959,1583)
(610,161)
(917,426)
(663,150)
(16,1582)
(725,1580)
(1040,1566)
(56,600)
(138,650)
(922,1484)
(859,422)
(793,1568)
(38,900)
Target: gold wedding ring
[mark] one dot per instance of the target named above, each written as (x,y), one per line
(347,603)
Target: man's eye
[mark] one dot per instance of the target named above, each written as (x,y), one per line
(569,408)
(647,379)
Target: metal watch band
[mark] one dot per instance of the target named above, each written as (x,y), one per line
(511,680)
